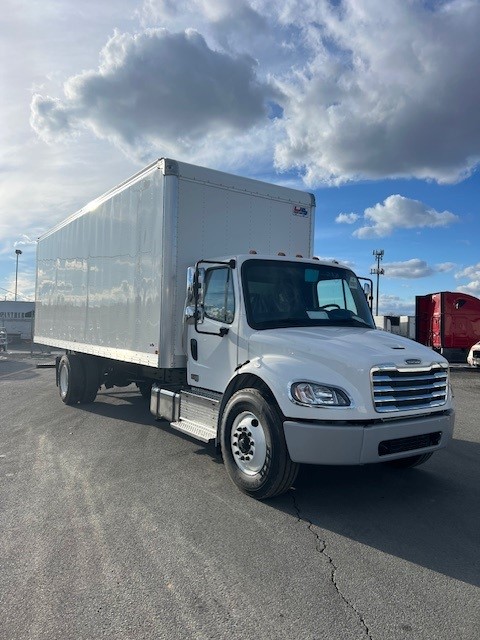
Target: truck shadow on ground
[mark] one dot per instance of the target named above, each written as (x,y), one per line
(129,406)
(427,515)
(121,404)
(16,370)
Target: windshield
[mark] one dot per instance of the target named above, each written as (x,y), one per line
(291,294)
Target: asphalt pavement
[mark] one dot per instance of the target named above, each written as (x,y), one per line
(114,526)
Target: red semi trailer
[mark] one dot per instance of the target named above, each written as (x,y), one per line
(447,321)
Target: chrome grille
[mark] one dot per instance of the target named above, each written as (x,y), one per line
(406,389)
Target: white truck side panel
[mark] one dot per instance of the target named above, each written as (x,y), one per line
(98,276)
(111,278)
(222,214)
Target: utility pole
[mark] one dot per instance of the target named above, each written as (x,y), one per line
(378,272)
(19,253)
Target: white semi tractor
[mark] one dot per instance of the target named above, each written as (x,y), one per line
(200,287)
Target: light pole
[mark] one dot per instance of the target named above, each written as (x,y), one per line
(19,253)
(378,272)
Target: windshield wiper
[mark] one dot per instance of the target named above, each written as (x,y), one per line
(352,322)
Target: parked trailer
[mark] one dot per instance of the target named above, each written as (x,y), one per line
(200,287)
(449,322)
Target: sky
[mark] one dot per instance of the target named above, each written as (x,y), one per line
(372,105)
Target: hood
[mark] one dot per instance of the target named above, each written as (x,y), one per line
(341,348)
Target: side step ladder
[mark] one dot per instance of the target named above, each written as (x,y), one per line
(192,412)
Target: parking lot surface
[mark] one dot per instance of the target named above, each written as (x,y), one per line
(114,526)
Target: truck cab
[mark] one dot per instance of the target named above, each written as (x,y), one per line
(285,366)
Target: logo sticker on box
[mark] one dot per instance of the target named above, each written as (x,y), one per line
(300,211)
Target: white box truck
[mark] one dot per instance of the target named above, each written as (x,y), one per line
(200,287)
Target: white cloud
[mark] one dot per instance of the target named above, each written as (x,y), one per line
(360,89)
(235,26)
(339,91)
(414,268)
(390,305)
(398,212)
(472,288)
(390,89)
(444,267)
(347,218)
(161,90)
(472,273)
(25,241)
(25,284)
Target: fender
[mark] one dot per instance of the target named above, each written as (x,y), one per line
(275,373)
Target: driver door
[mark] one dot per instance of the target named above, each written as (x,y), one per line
(212,341)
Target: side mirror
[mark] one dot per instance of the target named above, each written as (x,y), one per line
(198,283)
(190,299)
(194,294)
(198,289)
(367,290)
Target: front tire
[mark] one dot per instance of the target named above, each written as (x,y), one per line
(254,448)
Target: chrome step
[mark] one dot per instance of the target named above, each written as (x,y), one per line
(192,412)
(196,430)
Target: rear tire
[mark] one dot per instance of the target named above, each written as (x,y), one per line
(412,461)
(254,448)
(92,380)
(71,378)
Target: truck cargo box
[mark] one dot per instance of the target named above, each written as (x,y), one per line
(111,278)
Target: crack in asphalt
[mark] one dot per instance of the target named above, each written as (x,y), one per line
(321,547)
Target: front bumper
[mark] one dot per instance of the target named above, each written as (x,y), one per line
(344,444)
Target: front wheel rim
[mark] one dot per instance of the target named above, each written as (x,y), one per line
(248,443)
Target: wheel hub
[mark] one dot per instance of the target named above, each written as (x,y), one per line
(248,443)
(245,443)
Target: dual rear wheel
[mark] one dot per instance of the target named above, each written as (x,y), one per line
(78,378)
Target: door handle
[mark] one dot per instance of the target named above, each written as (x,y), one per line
(194,348)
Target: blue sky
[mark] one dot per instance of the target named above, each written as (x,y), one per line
(373,105)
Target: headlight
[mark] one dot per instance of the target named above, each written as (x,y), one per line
(318,395)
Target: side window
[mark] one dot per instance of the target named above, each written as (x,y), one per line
(218,298)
